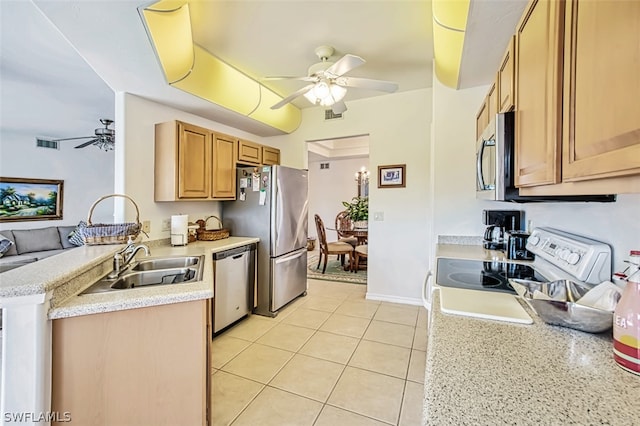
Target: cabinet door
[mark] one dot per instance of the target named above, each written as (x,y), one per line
(270,155)
(602,87)
(249,152)
(492,103)
(506,79)
(482,118)
(194,164)
(143,366)
(224,168)
(538,93)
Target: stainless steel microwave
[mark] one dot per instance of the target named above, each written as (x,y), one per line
(495,163)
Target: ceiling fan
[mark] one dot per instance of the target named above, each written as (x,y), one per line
(104,137)
(328,83)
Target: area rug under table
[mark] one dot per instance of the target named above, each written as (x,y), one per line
(334,272)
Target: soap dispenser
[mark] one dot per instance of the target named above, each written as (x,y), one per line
(626,326)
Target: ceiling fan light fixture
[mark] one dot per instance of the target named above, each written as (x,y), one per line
(325,93)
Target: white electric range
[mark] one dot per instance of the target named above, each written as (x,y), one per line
(480,288)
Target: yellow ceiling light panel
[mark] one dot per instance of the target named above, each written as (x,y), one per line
(191,68)
(286,118)
(449,23)
(170,30)
(451,13)
(220,83)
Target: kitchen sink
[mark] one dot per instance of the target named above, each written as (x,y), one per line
(153,272)
(168,262)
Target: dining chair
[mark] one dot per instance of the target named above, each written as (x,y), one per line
(339,248)
(361,253)
(343,222)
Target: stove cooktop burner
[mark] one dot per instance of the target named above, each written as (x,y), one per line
(482,275)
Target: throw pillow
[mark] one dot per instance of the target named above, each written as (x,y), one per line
(64,235)
(5,245)
(75,237)
(30,240)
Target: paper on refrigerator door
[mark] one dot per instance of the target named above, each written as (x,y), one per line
(255,182)
(263,197)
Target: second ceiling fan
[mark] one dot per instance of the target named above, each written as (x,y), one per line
(328,83)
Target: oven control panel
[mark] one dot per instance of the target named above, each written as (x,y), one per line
(586,259)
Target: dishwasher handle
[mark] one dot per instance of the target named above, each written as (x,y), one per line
(234,252)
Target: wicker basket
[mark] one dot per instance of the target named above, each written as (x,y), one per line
(116,233)
(211,234)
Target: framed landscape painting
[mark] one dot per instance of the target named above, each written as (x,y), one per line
(24,199)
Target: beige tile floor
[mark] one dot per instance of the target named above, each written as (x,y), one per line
(330,358)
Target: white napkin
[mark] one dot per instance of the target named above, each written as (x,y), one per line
(604,296)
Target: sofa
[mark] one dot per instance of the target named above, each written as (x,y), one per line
(30,245)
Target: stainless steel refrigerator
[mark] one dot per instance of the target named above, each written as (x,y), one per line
(272,204)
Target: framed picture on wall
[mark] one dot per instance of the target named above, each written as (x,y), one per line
(391,176)
(23,199)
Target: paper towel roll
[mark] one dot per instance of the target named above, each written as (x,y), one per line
(179,230)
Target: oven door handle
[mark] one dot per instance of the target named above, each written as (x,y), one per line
(481,185)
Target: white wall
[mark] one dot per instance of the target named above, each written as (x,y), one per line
(329,187)
(457,212)
(398,126)
(87,175)
(135,160)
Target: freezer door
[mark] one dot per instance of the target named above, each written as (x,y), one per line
(289,209)
(288,278)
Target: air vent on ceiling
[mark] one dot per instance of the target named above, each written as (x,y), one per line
(324,166)
(44,143)
(330,115)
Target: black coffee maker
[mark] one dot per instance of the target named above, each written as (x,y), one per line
(500,222)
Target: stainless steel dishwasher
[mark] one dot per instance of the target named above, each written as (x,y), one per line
(233,282)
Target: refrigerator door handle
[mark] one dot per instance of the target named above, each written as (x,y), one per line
(290,257)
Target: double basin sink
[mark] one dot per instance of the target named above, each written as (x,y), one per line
(153,272)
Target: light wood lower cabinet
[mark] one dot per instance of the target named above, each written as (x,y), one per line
(144,366)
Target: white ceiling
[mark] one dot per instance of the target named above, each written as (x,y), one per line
(91,48)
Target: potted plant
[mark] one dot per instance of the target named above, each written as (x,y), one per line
(358,211)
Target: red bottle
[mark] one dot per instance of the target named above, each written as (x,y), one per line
(626,326)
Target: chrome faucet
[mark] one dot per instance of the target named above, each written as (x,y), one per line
(122,258)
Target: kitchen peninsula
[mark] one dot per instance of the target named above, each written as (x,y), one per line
(485,372)
(37,295)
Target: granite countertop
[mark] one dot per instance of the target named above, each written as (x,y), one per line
(484,372)
(85,304)
(67,274)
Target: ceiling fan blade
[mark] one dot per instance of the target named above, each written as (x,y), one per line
(366,83)
(339,107)
(290,78)
(345,64)
(91,142)
(73,139)
(292,96)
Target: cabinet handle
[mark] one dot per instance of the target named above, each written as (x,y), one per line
(425,287)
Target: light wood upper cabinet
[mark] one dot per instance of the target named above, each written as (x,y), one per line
(492,102)
(601,136)
(224,167)
(193,163)
(249,152)
(482,118)
(270,155)
(144,366)
(506,79)
(539,38)
(182,161)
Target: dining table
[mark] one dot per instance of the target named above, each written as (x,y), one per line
(361,234)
